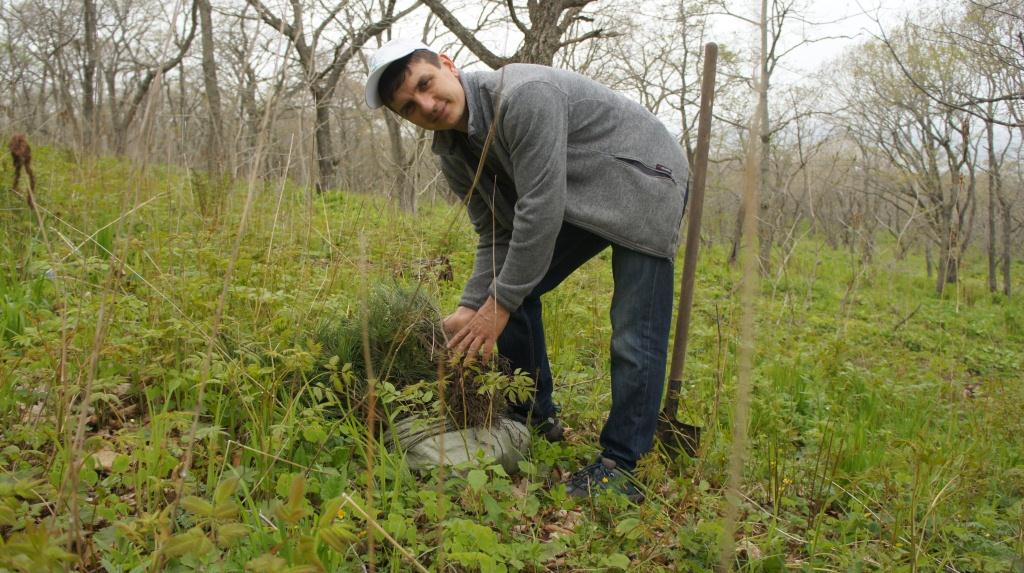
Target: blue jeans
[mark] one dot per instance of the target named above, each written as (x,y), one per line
(641,316)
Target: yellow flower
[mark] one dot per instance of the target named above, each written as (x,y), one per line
(341,513)
(604,479)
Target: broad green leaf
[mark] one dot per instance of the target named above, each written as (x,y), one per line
(8,516)
(197,506)
(231,533)
(297,490)
(629,528)
(121,464)
(225,490)
(617,561)
(476,479)
(88,477)
(193,541)
(226,510)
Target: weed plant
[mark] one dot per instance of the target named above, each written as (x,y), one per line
(401,329)
(885,430)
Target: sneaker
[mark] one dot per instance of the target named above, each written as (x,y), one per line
(600,477)
(550,427)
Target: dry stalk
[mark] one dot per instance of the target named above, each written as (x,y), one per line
(443,422)
(371,409)
(749,283)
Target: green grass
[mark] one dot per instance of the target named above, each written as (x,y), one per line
(876,444)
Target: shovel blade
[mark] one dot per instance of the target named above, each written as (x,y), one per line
(679,436)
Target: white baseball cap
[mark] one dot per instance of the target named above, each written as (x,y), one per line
(381,59)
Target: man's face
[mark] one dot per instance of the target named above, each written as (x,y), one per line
(432,98)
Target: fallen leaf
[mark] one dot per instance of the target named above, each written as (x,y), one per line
(105,460)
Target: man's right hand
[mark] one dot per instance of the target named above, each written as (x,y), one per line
(457,320)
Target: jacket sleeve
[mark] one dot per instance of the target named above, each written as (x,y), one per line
(534,130)
(493,239)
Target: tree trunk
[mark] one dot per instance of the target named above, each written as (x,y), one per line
(215,129)
(991,246)
(737,234)
(324,146)
(947,244)
(929,265)
(403,184)
(249,116)
(544,37)
(995,193)
(767,227)
(117,135)
(89,76)
(952,269)
(1007,232)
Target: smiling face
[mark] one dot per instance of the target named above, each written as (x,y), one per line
(432,97)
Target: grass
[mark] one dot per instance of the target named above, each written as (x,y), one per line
(878,442)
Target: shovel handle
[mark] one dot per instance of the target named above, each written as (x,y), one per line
(700,171)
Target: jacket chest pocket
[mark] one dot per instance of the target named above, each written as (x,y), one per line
(657,171)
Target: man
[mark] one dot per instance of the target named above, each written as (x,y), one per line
(573,169)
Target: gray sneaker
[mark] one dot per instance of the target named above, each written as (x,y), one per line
(600,477)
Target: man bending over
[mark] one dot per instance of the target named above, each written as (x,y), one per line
(574,168)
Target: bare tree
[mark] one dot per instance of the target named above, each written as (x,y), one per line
(656,59)
(89,73)
(215,128)
(997,193)
(130,65)
(930,144)
(322,80)
(989,33)
(989,38)
(53,61)
(782,15)
(242,60)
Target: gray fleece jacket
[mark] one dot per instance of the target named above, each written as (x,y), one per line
(566,149)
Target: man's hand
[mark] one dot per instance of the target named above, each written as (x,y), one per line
(480,333)
(457,320)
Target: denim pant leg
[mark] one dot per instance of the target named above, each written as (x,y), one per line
(522,342)
(641,317)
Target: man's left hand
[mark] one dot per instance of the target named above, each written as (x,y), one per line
(481,333)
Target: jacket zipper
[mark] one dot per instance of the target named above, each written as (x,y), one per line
(658,170)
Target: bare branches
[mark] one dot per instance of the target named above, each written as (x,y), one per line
(981,36)
(159,70)
(549,21)
(322,80)
(465,36)
(273,21)
(515,17)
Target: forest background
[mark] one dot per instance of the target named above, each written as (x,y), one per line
(210,187)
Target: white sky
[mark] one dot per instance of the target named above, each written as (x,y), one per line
(835,24)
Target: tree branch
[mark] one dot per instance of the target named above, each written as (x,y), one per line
(465,36)
(927,93)
(154,72)
(273,21)
(515,18)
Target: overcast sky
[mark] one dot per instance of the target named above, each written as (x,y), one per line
(837,24)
